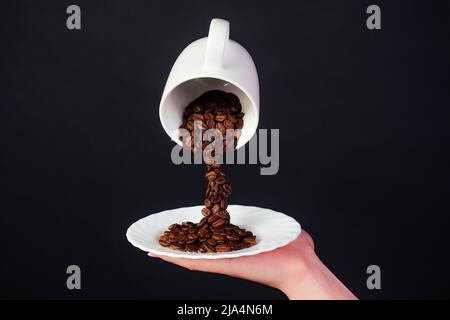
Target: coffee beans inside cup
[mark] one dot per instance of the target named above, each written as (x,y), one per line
(214,232)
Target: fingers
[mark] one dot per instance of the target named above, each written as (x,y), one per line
(207,265)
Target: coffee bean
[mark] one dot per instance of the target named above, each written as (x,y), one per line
(216,198)
(198,108)
(226,188)
(188,224)
(220,117)
(221,128)
(215,189)
(190,125)
(215,208)
(206,212)
(211,176)
(232,118)
(223,247)
(228,124)
(223,214)
(164,243)
(237,246)
(176,246)
(218,237)
(203,232)
(221,232)
(202,222)
(219,223)
(223,203)
(220,180)
(208,115)
(192,236)
(181,239)
(209,248)
(212,218)
(250,240)
(233,237)
(220,173)
(208,203)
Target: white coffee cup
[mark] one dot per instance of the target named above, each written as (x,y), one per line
(211,63)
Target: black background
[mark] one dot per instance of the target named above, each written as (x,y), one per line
(364,133)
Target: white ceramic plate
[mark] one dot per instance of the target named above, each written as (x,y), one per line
(272,229)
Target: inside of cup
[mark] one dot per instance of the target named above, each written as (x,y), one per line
(171,110)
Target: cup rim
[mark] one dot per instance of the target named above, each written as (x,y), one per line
(166,93)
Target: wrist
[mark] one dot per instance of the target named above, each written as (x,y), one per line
(310,279)
(299,273)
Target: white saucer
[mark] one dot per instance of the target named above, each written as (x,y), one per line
(272,230)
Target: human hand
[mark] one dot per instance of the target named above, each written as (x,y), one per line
(294,269)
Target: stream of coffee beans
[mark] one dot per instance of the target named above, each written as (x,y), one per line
(214,232)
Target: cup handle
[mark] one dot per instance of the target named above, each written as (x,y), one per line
(219,33)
